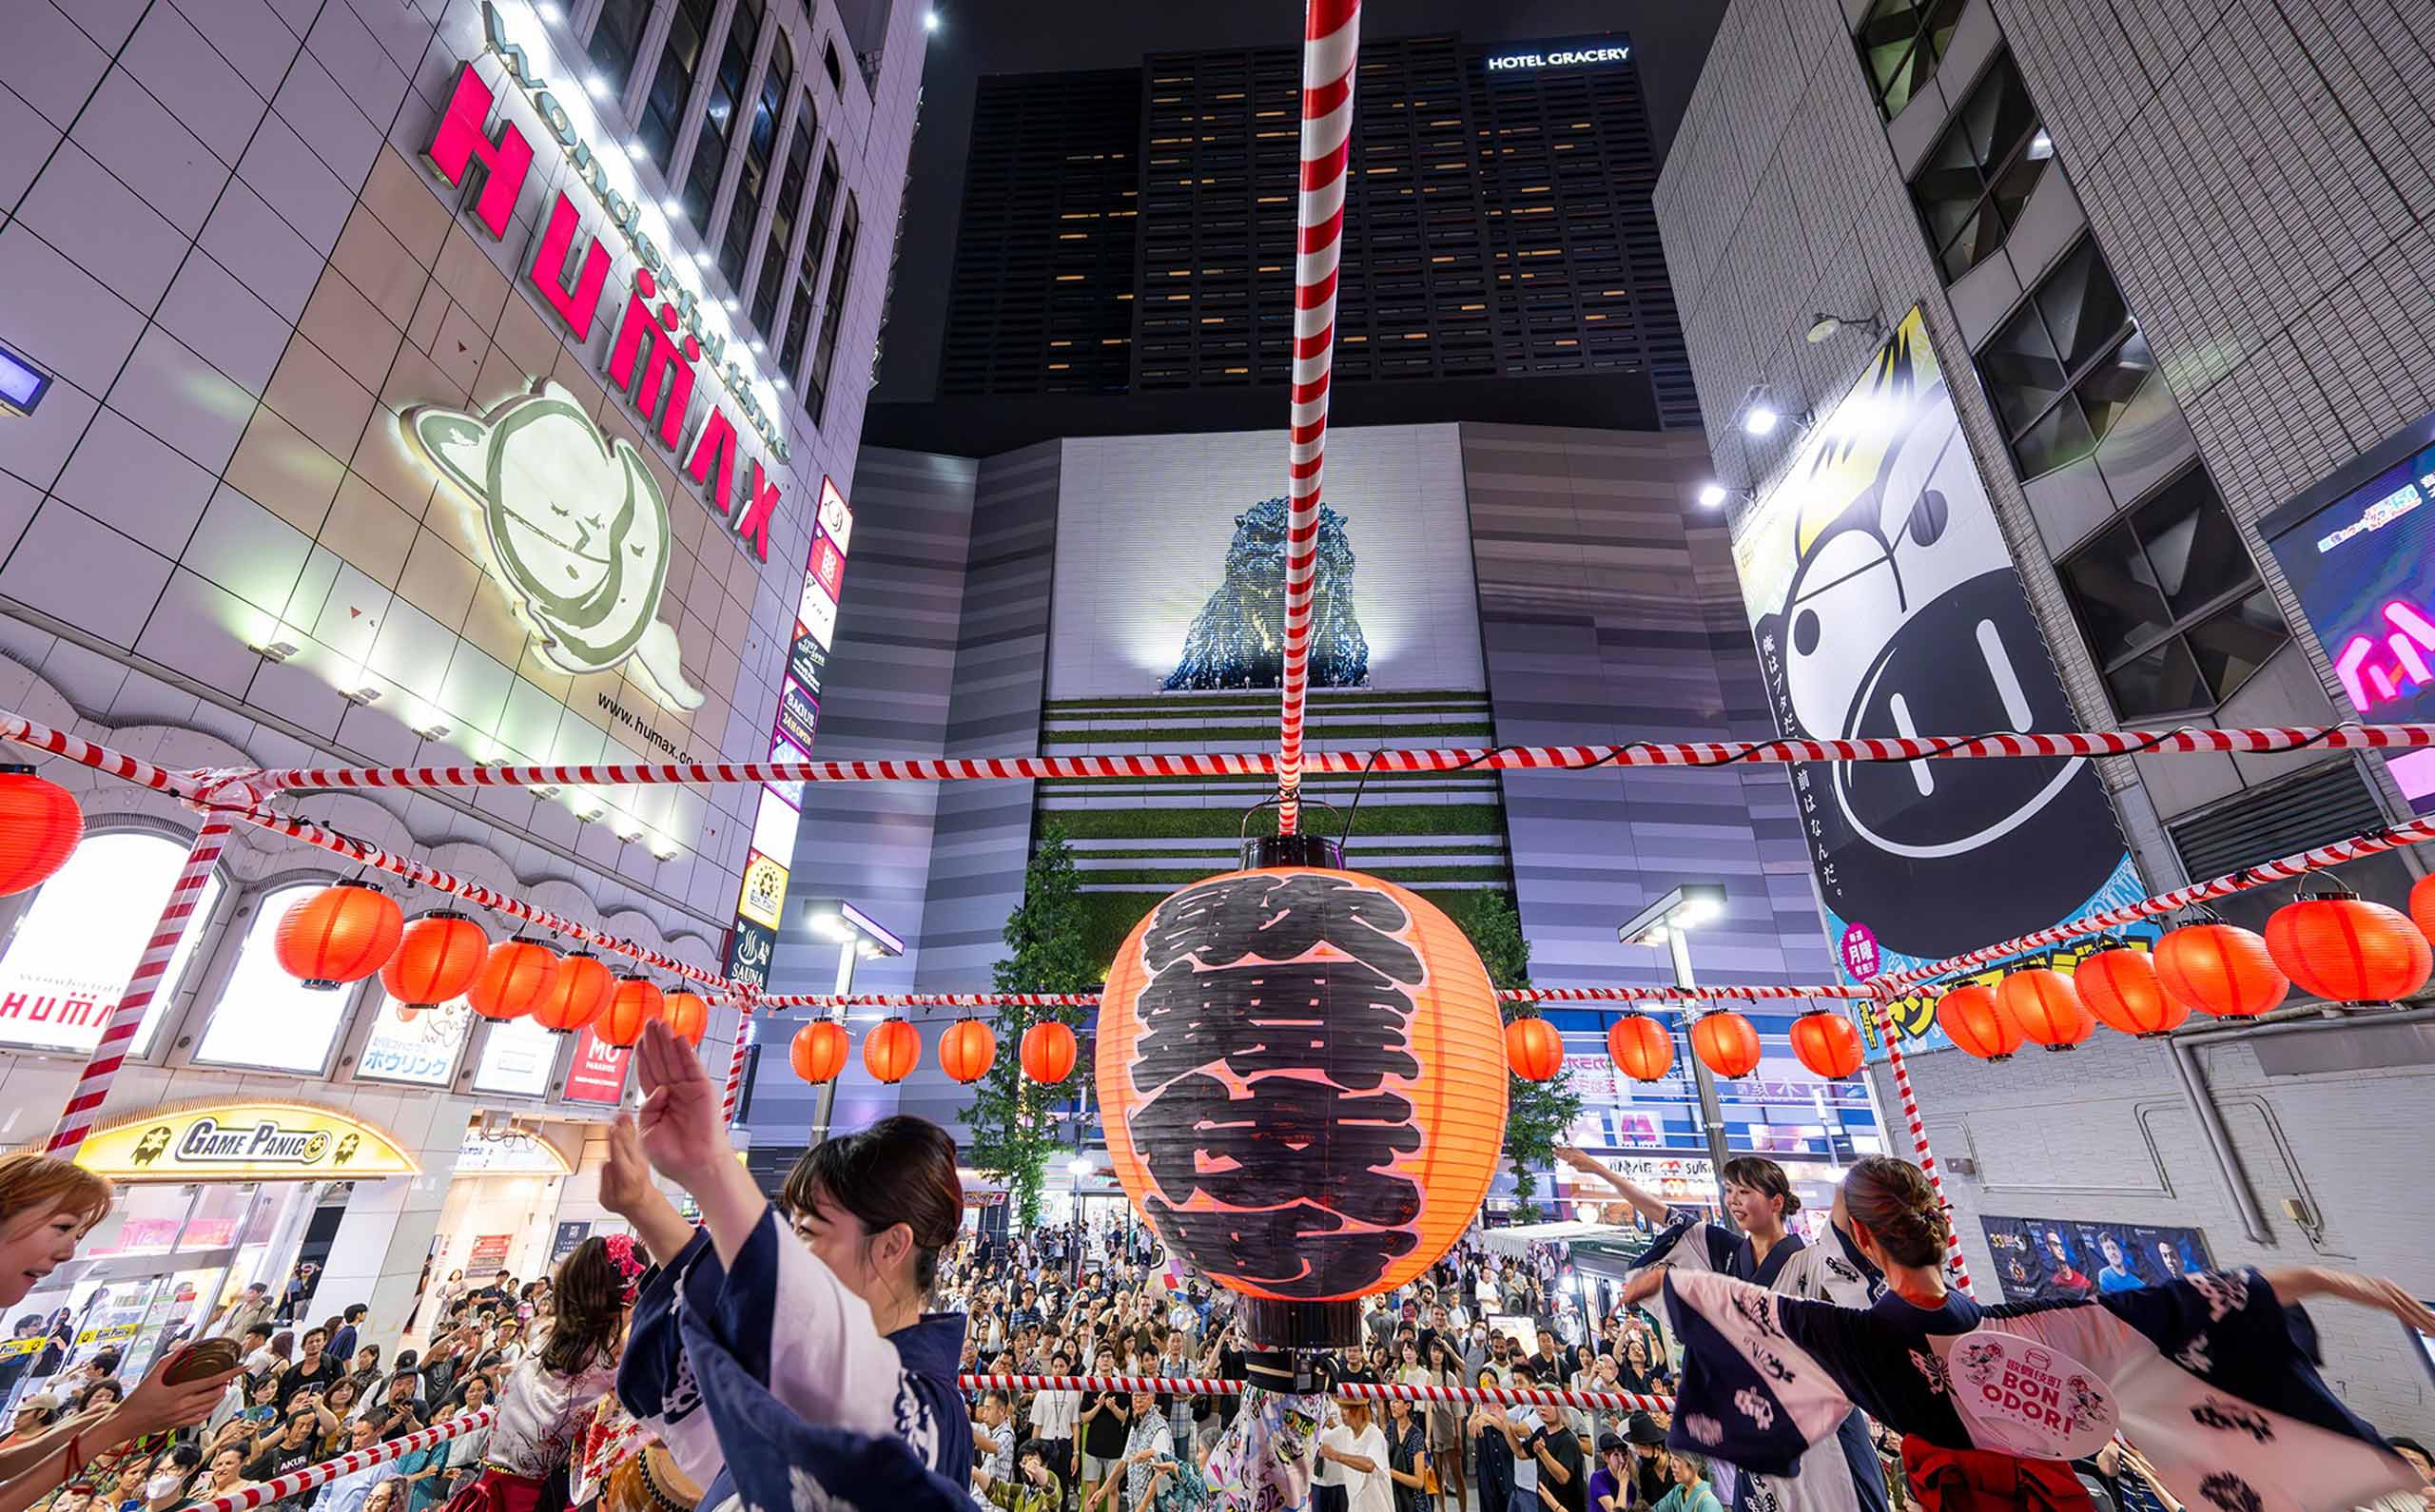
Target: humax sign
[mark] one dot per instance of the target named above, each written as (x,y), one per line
(660,336)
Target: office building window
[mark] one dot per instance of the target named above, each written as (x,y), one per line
(2171,605)
(718,114)
(2064,367)
(616,38)
(1980,172)
(1901,42)
(760,144)
(664,110)
(832,316)
(781,218)
(815,243)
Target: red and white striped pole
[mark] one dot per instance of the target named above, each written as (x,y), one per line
(735,1065)
(1886,1031)
(1331,43)
(177,916)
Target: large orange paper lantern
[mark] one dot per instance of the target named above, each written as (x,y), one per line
(1641,1047)
(635,1002)
(2120,987)
(1303,1081)
(577,996)
(1048,1052)
(343,932)
(891,1050)
(2422,905)
(2048,1012)
(40,827)
(966,1049)
(1970,1017)
(2221,969)
(689,1015)
(437,958)
(1827,1044)
(1726,1042)
(1533,1049)
(2343,948)
(513,977)
(818,1051)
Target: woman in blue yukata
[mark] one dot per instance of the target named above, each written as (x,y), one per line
(786,1361)
(2211,1376)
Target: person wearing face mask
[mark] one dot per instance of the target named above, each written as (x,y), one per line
(801,1367)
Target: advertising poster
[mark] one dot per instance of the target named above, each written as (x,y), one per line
(416,1045)
(2364,567)
(489,1254)
(568,1236)
(597,1073)
(516,1060)
(2041,1259)
(749,947)
(1884,604)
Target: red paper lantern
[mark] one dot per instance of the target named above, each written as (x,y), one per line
(1534,1048)
(343,932)
(2422,905)
(40,826)
(635,1002)
(1048,1052)
(2120,987)
(2221,969)
(437,958)
(1970,1017)
(2042,1003)
(2343,948)
(892,1049)
(818,1051)
(514,977)
(1641,1047)
(1349,1160)
(1827,1044)
(575,996)
(689,1015)
(966,1049)
(1725,1041)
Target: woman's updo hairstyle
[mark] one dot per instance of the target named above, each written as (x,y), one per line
(1893,1201)
(900,1170)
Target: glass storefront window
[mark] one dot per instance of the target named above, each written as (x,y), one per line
(73,947)
(416,1045)
(517,1059)
(266,1018)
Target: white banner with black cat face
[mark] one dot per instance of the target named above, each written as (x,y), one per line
(1170,565)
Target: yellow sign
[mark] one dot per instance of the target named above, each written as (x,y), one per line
(115,1334)
(764,890)
(243,1141)
(17,1347)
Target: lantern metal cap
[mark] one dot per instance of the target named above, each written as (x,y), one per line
(1271,1324)
(1321,851)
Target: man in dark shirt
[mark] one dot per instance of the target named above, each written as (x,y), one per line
(1648,1470)
(292,1450)
(343,1346)
(316,1368)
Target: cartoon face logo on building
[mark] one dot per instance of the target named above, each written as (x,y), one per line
(155,1142)
(572,524)
(1903,618)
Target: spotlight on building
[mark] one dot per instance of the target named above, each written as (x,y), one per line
(596,87)
(930,21)
(1712,493)
(1823,327)
(1759,416)
(433,730)
(276,651)
(364,697)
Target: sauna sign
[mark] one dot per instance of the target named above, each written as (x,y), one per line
(652,361)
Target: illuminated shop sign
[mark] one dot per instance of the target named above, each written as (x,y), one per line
(651,363)
(243,1141)
(572,524)
(763,899)
(798,716)
(509,1152)
(599,1072)
(1557,58)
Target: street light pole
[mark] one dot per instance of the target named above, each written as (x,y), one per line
(847,954)
(1678,944)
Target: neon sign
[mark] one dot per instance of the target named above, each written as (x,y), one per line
(2369,682)
(1560,58)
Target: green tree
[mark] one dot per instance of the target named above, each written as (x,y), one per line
(1012,1122)
(1537,1113)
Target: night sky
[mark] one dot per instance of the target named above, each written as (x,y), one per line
(1669,38)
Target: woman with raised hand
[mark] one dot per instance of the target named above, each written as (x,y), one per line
(2211,1375)
(801,1365)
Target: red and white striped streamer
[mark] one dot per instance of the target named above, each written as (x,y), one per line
(1355,762)
(1090,1000)
(101,758)
(1894,1062)
(100,1069)
(1331,46)
(280,1486)
(1208,1386)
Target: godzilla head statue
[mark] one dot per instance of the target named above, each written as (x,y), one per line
(1237,640)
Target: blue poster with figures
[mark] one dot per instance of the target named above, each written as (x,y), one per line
(1884,604)
(2064,1259)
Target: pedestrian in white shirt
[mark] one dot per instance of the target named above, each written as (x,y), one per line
(1353,1457)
